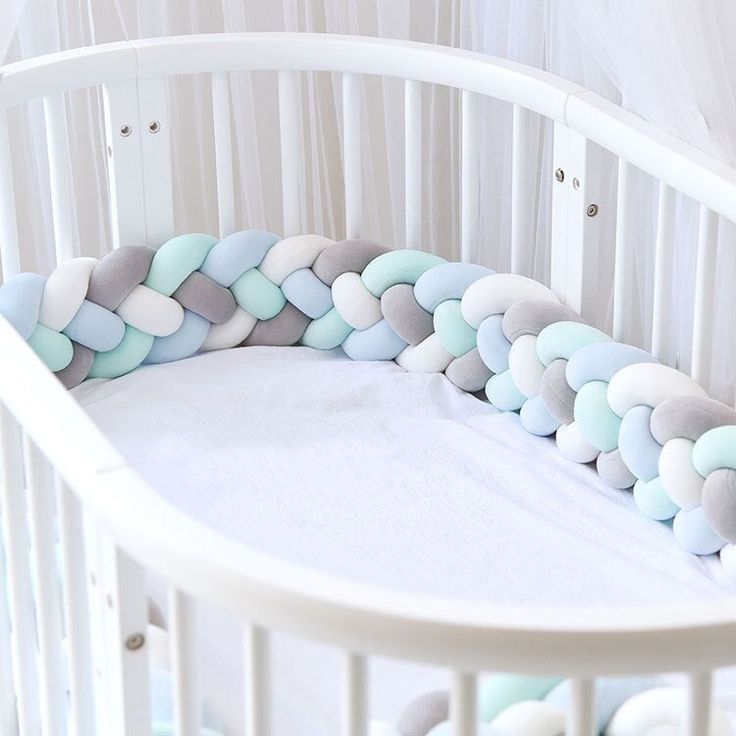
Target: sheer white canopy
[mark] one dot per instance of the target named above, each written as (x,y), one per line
(671,63)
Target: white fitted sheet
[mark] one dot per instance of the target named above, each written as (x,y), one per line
(398,479)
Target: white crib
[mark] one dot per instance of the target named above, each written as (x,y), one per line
(58,469)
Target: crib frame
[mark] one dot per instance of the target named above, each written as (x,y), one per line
(55,466)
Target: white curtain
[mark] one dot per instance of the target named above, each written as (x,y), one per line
(671,62)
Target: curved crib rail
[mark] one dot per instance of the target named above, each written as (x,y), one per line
(126,525)
(679,165)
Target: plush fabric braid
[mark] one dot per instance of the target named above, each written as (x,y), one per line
(525,705)
(645,425)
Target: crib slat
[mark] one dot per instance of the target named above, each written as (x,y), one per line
(463,704)
(9,250)
(18,579)
(57,141)
(155,142)
(355,702)
(699,697)
(469,176)
(40,480)
(623,270)
(352,153)
(522,204)
(223,152)
(128,619)
(290,127)
(571,227)
(76,617)
(138,133)
(97,618)
(662,267)
(581,716)
(413,162)
(184,665)
(8,715)
(125,164)
(705,278)
(256,641)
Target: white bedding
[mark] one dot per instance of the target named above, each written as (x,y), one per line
(399,479)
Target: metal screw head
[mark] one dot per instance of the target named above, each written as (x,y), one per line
(154,126)
(126,130)
(134,642)
(592,210)
(560,175)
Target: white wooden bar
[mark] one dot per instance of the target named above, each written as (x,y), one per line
(581,718)
(8,715)
(463,704)
(522,190)
(699,704)
(257,681)
(57,141)
(76,615)
(663,268)
(52,684)
(223,152)
(351,103)
(187,701)
(354,695)
(18,573)
(125,607)
(155,140)
(291,151)
(570,225)
(99,653)
(623,269)
(138,132)
(469,186)
(413,163)
(705,279)
(125,164)
(9,251)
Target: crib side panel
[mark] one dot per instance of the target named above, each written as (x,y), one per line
(9,246)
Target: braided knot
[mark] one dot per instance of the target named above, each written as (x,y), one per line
(645,425)
(527,705)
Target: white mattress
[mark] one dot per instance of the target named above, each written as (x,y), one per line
(399,479)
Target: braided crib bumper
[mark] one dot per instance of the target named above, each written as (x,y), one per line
(538,706)
(645,425)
